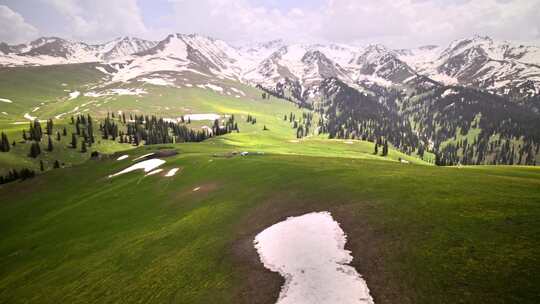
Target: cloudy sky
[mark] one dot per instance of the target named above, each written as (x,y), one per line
(397,23)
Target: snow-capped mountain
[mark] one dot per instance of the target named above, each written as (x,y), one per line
(500,67)
(123,46)
(480,62)
(300,63)
(54,50)
(183,53)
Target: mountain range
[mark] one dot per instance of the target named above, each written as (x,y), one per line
(474,101)
(480,62)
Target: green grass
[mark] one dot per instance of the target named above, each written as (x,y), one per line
(418,233)
(468,235)
(44,83)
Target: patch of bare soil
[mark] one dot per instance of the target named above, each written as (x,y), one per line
(367,243)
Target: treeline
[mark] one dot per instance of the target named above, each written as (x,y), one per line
(508,133)
(348,114)
(303,125)
(14,175)
(154,130)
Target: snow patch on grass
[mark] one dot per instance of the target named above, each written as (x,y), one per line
(158,81)
(143,156)
(147,166)
(29,117)
(74,94)
(309,252)
(6,100)
(214,87)
(136,92)
(238,91)
(122,157)
(172,172)
(154,172)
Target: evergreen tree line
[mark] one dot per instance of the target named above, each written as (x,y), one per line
(153,130)
(4,143)
(14,175)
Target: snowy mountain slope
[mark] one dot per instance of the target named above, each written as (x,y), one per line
(54,50)
(180,53)
(302,63)
(480,62)
(500,67)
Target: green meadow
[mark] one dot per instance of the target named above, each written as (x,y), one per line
(418,233)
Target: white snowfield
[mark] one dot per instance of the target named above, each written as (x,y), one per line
(198,117)
(29,117)
(214,87)
(122,157)
(6,100)
(143,156)
(172,172)
(147,166)
(238,91)
(308,251)
(154,172)
(74,95)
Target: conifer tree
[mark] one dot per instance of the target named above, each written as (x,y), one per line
(83,147)
(4,143)
(385,148)
(73,141)
(41,166)
(50,145)
(35,150)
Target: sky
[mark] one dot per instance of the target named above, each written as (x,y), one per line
(395,23)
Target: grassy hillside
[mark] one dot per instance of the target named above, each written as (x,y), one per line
(190,97)
(469,235)
(418,233)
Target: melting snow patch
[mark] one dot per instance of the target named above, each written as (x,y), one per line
(449,92)
(154,172)
(196,189)
(74,95)
(4,113)
(6,100)
(158,81)
(94,94)
(309,252)
(172,172)
(147,166)
(143,156)
(196,117)
(102,70)
(122,157)
(215,88)
(238,91)
(29,117)
(189,85)
(137,92)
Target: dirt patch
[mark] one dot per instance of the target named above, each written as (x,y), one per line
(367,243)
(260,285)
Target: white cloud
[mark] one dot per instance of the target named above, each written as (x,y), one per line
(100,19)
(13,27)
(395,22)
